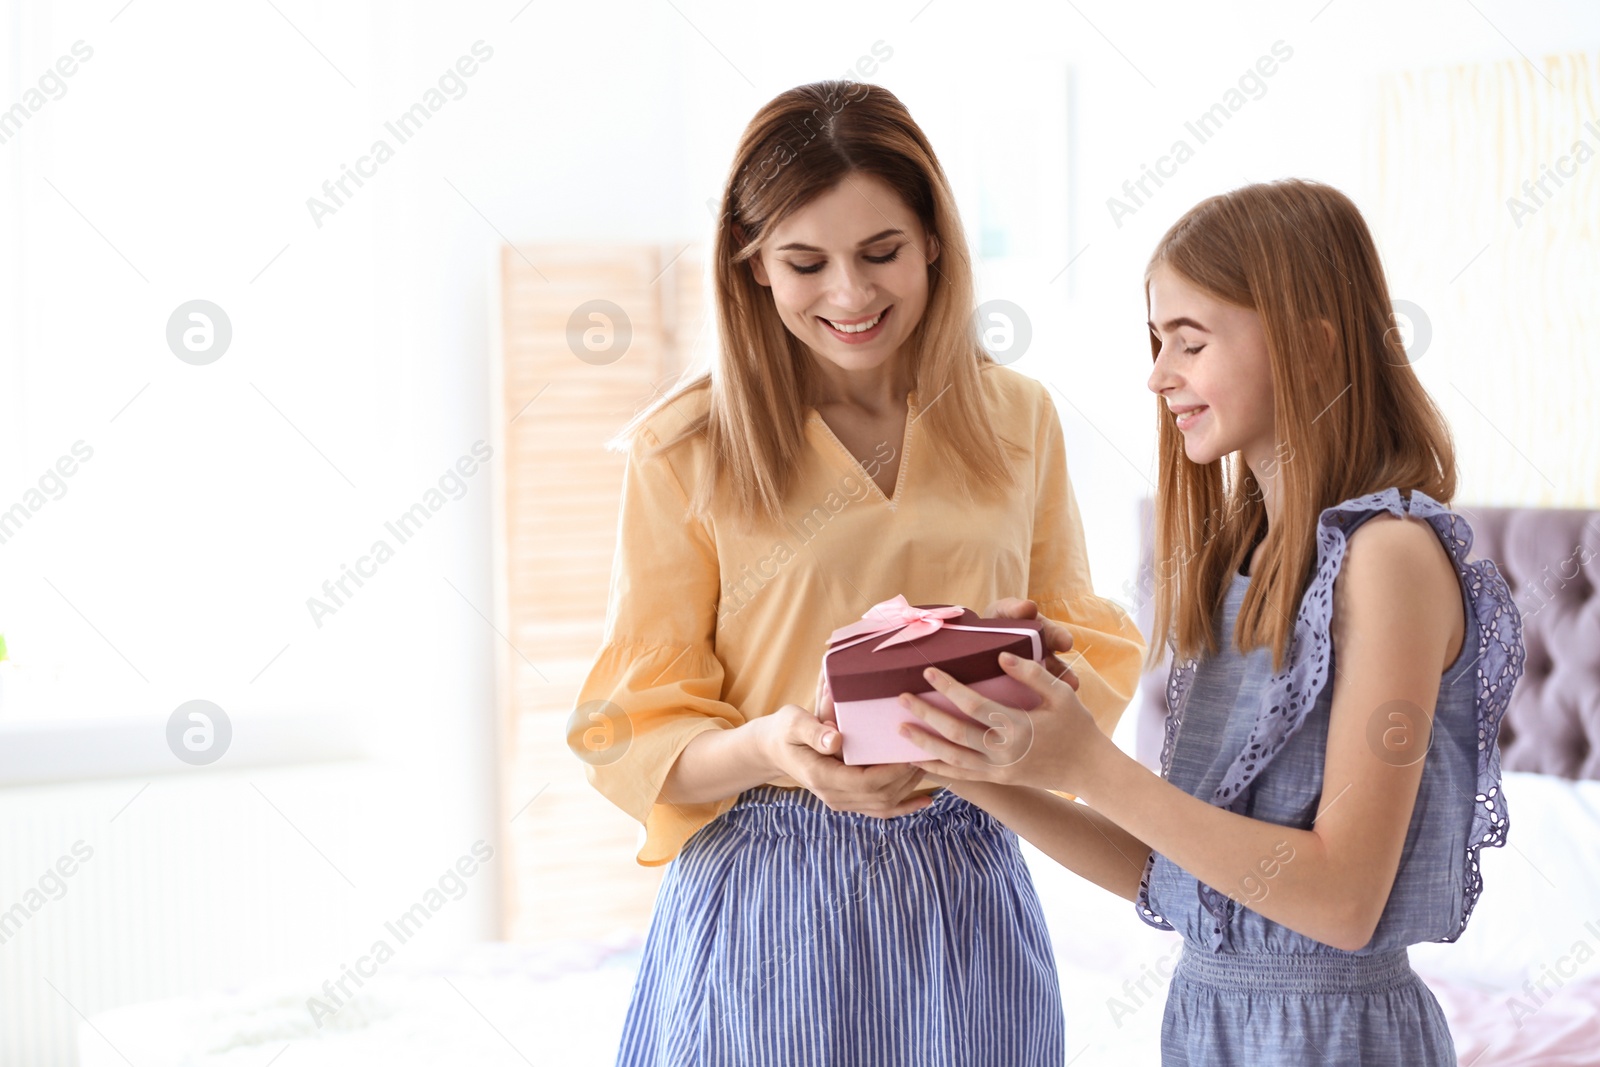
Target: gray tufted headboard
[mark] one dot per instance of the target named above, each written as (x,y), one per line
(1551,560)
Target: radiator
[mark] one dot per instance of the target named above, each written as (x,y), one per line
(125,890)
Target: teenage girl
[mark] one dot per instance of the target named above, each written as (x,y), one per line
(1340,670)
(853,443)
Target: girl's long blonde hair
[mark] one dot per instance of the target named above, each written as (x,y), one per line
(799,146)
(1351,417)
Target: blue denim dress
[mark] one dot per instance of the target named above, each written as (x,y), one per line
(1248,990)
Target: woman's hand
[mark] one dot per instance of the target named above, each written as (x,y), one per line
(806,747)
(824,698)
(1048,747)
(1056,637)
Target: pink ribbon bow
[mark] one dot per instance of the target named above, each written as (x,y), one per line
(890,615)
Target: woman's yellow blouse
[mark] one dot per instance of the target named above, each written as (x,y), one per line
(710,625)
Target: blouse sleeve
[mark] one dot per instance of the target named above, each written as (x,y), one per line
(1107,648)
(656,682)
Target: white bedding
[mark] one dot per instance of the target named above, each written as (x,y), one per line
(1521,988)
(488,1005)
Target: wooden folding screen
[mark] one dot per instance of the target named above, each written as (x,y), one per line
(561,395)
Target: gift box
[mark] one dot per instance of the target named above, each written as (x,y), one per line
(870,663)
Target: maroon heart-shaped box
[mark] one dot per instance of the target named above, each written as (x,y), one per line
(968,656)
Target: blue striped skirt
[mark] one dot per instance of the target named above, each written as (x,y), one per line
(788,933)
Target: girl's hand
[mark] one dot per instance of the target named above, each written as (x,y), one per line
(1056,637)
(1048,747)
(806,749)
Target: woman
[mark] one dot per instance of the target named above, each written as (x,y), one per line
(853,444)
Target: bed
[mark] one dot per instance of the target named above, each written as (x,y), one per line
(1521,988)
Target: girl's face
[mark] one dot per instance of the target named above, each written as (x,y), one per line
(849,272)
(1212,370)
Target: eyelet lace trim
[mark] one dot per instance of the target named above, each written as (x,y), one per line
(1292,693)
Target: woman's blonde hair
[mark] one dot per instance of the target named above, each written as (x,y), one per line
(799,146)
(1350,417)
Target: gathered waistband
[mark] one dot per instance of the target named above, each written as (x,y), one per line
(775,811)
(1295,973)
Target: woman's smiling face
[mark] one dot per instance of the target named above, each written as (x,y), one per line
(849,272)
(1212,370)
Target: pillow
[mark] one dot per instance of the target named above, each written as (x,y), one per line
(1539,914)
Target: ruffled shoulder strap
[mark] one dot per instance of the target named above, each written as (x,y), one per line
(1292,692)
(1496,668)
